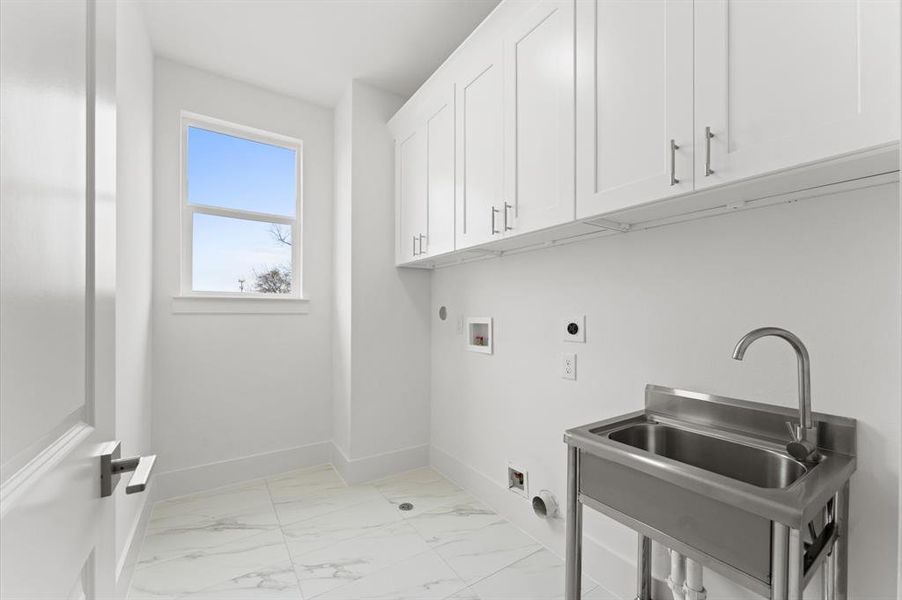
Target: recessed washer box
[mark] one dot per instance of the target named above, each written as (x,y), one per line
(479,334)
(517,480)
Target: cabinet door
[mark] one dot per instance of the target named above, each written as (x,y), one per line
(539,118)
(634,99)
(440,176)
(479,143)
(411,189)
(787,82)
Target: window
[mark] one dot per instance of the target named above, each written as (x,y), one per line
(241,204)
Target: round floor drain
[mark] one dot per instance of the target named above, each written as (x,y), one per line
(405,506)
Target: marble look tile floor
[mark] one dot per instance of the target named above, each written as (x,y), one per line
(306,534)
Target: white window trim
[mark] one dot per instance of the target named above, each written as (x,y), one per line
(191,301)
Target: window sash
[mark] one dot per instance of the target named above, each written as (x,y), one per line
(188,210)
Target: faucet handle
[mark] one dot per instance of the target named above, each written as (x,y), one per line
(795,430)
(803,446)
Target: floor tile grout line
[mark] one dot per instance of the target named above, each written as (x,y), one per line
(187,553)
(495,572)
(353,537)
(284,541)
(346,486)
(433,549)
(206,588)
(244,482)
(379,570)
(459,536)
(179,596)
(329,512)
(385,525)
(453,570)
(405,520)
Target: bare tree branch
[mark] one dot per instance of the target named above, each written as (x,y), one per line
(280,233)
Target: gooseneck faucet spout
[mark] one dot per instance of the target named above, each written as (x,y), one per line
(804,436)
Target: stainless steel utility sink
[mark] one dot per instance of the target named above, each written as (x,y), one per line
(711,478)
(757,466)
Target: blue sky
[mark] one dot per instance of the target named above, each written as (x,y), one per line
(231,172)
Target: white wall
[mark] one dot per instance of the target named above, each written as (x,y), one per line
(341,275)
(134,261)
(666,306)
(381,363)
(391,306)
(229,387)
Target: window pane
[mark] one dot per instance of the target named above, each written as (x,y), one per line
(235,255)
(233,172)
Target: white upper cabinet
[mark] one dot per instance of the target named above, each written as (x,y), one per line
(554,113)
(440,175)
(410,192)
(634,102)
(480,201)
(539,119)
(787,82)
(424,175)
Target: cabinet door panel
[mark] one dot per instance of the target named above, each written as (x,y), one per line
(480,150)
(539,116)
(787,82)
(412,190)
(634,70)
(440,178)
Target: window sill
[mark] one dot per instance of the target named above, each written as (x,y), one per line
(234,305)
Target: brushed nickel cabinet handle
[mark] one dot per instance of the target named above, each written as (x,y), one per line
(414,245)
(506,226)
(420,238)
(673,149)
(494,212)
(708,136)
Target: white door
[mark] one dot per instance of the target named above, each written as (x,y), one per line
(787,82)
(539,119)
(56,345)
(440,175)
(479,147)
(634,103)
(411,189)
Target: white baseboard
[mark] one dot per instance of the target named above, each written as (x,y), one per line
(616,574)
(129,558)
(212,475)
(358,470)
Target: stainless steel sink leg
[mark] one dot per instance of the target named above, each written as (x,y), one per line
(779,561)
(795,573)
(643,569)
(841,546)
(828,571)
(574,541)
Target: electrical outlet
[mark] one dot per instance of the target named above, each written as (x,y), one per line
(573,328)
(568,365)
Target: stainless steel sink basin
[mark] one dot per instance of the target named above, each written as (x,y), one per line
(756,466)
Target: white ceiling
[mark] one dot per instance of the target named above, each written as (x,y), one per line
(311,49)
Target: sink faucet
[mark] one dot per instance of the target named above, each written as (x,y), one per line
(803,446)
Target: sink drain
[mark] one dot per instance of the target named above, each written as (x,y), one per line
(405,506)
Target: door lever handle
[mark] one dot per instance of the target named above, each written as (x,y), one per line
(111,466)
